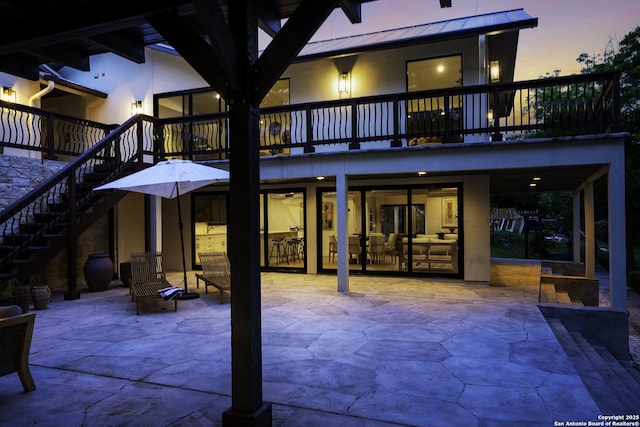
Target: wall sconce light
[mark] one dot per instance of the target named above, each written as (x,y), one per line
(490,118)
(494,71)
(8,95)
(136,108)
(344,83)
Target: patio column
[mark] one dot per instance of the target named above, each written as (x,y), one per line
(617,236)
(247,407)
(589,232)
(342,230)
(576,226)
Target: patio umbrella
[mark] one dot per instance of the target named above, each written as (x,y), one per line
(170,179)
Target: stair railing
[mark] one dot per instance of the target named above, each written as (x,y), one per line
(54,205)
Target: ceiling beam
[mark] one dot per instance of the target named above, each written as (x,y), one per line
(20,67)
(290,40)
(52,25)
(193,48)
(268,18)
(353,10)
(123,46)
(445,3)
(220,37)
(64,55)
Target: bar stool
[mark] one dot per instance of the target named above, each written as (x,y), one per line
(279,248)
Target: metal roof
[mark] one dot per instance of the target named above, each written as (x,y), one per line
(489,23)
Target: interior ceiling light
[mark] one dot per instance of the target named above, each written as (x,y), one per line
(533,184)
(536,178)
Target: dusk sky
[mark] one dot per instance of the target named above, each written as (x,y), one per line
(565,28)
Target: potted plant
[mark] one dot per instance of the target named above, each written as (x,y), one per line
(8,288)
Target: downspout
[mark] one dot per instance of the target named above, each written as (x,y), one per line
(36,96)
(40,94)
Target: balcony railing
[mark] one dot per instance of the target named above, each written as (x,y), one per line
(560,106)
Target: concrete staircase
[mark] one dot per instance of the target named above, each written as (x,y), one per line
(614,384)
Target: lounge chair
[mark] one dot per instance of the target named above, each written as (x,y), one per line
(16,330)
(148,277)
(216,272)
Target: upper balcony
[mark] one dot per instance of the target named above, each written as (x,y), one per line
(549,107)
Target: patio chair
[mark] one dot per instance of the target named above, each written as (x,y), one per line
(16,330)
(216,272)
(147,278)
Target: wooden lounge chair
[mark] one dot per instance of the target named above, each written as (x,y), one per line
(148,277)
(216,272)
(16,331)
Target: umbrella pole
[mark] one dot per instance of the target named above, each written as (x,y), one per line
(186,294)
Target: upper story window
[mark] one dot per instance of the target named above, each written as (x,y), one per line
(434,73)
(429,115)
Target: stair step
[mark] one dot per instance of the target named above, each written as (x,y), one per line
(629,379)
(603,395)
(563,298)
(607,370)
(547,293)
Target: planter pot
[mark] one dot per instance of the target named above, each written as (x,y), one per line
(23,297)
(98,271)
(41,296)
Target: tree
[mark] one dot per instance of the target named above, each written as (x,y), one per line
(626,58)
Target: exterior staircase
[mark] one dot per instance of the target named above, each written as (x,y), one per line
(49,219)
(613,384)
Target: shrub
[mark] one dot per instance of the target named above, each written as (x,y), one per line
(633,281)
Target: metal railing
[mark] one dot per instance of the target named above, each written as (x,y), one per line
(559,106)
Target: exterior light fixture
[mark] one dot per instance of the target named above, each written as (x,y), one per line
(320,178)
(490,118)
(422,173)
(136,108)
(536,178)
(344,83)
(494,71)
(8,95)
(533,184)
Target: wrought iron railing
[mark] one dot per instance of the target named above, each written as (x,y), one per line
(559,106)
(52,208)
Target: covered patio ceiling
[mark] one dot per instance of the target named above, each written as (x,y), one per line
(69,32)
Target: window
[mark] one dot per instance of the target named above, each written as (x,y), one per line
(430,117)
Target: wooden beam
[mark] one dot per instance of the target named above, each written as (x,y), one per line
(123,46)
(20,67)
(65,55)
(220,37)
(268,19)
(194,49)
(293,36)
(353,10)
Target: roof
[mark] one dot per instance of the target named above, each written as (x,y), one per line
(489,23)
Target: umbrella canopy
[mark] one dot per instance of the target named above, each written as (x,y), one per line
(168,179)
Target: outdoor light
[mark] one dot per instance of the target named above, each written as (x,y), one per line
(422,173)
(136,108)
(344,83)
(320,178)
(490,117)
(494,71)
(8,95)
